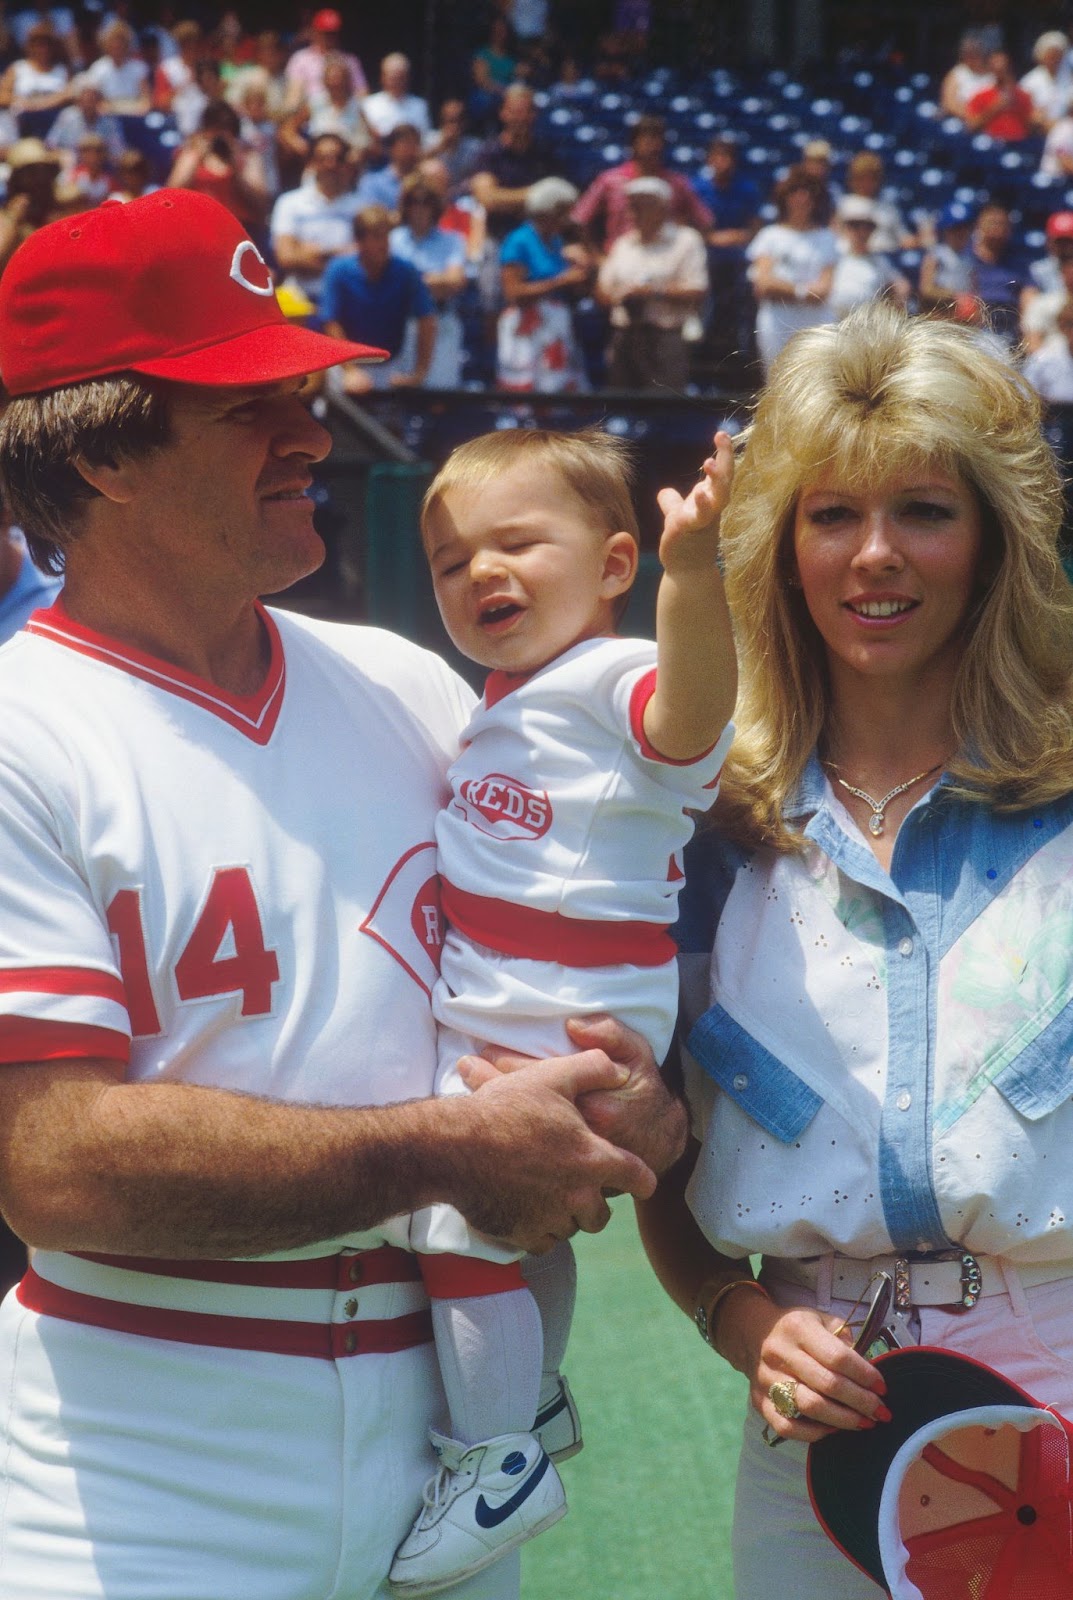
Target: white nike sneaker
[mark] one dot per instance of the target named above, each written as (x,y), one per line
(557,1425)
(483,1500)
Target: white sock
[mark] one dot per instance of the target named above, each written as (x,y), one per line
(490,1351)
(552,1281)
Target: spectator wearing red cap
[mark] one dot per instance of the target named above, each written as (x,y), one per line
(1045,274)
(304,72)
(1052,284)
(214,873)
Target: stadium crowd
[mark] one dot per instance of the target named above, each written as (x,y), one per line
(558,225)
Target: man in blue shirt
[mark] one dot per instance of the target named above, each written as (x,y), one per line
(372,289)
(734,201)
(999,270)
(384,186)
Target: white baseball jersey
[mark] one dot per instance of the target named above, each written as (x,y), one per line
(238,892)
(560,853)
(230,891)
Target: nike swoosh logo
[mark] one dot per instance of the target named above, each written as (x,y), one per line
(490,1517)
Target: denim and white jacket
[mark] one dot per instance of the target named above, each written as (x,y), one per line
(879,1062)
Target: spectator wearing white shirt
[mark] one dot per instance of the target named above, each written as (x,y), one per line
(1057,158)
(862,273)
(1039,314)
(336,107)
(121,76)
(864,177)
(793,264)
(967,77)
(393,103)
(38,81)
(1046,274)
(313,224)
(654,279)
(1050,368)
(1050,83)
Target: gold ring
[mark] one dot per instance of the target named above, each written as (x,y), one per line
(783,1396)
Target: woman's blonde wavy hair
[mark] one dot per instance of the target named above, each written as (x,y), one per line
(864,401)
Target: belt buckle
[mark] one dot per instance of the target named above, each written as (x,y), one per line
(971,1279)
(903,1300)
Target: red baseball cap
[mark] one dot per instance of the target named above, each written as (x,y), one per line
(169,285)
(977,1506)
(1060,225)
(327,21)
(899,1509)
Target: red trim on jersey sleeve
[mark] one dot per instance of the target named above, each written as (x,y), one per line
(449,1277)
(33,1039)
(330,1341)
(345,1270)
(63,980)
(643,690)
(254,715)
(538,935)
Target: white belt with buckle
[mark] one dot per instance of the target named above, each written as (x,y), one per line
(956,1280)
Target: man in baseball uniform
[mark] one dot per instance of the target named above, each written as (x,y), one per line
(219,929)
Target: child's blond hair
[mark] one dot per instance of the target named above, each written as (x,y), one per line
(597,468)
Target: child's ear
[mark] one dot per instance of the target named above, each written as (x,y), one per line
(620,564)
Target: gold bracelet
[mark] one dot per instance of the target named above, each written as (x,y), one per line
(705,1314)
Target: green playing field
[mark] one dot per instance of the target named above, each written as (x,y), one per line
(650,1495)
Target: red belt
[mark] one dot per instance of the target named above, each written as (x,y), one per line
(328,1341)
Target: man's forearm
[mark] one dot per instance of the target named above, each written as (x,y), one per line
(178,1169)
(167,1169)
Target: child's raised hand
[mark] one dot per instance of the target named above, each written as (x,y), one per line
(691,524)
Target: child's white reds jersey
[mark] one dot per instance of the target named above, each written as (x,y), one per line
(247,886)
(564,833)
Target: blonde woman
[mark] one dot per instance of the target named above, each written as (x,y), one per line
(877,950)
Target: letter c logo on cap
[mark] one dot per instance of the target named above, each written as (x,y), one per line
(247,247)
